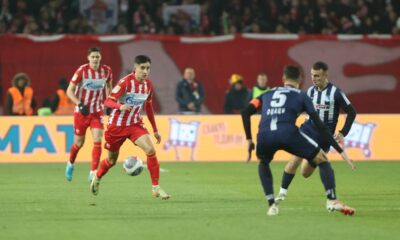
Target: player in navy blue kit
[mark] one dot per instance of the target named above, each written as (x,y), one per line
(280,108)
(328,101)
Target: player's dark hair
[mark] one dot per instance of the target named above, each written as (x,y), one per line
(94,49)
(292,72)
(320,66)
(139,59)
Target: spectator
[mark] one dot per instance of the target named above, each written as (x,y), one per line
(189,93)
(261,85)
(237,97)
(45,110)
(20,99)
(61,104)
(215,17)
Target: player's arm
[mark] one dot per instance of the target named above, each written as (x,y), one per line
(109,83)
(148,107)
(71,94)
(76,79)
(348,108)
(251,109)
(111,100)
(108,90)
(324,130)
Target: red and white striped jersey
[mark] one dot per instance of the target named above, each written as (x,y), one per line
(90,86)
(130,91)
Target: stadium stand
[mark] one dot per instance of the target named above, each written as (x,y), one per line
(204,17)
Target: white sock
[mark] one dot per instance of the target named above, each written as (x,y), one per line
(283,191)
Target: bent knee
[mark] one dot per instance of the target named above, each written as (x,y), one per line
(149,151)
(79,143)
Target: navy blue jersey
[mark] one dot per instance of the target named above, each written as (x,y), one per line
(282,106)
(328,103)
(278,131)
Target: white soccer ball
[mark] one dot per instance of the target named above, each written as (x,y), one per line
(133,165)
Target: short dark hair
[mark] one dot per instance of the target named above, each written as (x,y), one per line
(139,59)
(93,49)
(320,66)
(292,72)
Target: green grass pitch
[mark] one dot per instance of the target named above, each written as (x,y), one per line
(209,201)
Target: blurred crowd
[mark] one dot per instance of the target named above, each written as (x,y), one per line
(210,17)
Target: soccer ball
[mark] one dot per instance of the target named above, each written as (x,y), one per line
(133,165)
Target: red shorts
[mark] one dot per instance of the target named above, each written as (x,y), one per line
(115,136)
(81,123)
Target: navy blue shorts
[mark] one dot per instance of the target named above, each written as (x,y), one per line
(289,139)
(314,134)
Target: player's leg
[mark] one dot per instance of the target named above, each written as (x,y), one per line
(296,144)
(306,169)
(76,146)
(80,126)
(97,134)
(114,138)
(302,145)
(264,172)
(105,165)
(328,179)
(287,177)
(265,153)
(145,143)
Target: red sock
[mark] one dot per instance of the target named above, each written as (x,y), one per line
(104,166)
(154,168)
(73,153)
(96,153)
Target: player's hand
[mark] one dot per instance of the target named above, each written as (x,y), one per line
(339,137)
(83,109)
(158,137)
(250,148)
(348,160)
(126,107)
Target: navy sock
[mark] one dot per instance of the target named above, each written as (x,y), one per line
(328,179)
(286,179)
(266,181)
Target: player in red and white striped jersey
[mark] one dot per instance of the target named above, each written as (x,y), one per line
(86,90)
(129,96)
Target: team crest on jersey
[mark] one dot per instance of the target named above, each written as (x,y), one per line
(182,135)
(359,137)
